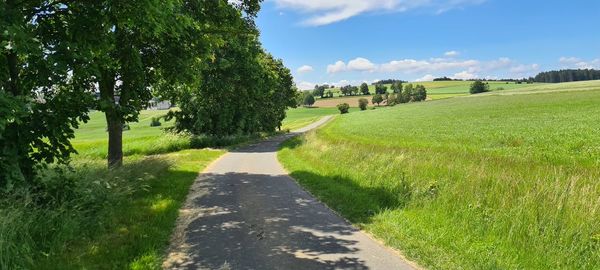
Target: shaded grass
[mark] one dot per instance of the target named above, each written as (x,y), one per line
(120,219)
(490,182)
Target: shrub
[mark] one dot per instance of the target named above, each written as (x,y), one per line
(155,122)
(380,89)
(363,103)
(377,99)
(479,87)
(309,100)
(344,107)
(419,93)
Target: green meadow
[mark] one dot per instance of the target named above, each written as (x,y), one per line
(120,219)
(299,117)
(447,89)
(503,180)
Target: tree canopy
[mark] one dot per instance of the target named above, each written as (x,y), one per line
(41,102)
(59,59)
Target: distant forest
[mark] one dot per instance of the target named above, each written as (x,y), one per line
(554,76)
(568,75)
(388,81)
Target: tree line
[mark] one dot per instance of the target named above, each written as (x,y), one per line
(567,75)
(388,81)
(61,59)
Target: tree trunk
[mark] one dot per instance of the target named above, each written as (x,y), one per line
(115,140)
(114,122)
(13,83)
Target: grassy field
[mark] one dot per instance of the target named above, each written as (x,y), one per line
(91,139)
(299,117)
(503,180)
(114,220)
(435,91)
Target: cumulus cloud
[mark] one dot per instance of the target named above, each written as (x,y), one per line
(464,75)
(360,64)
(461,68)
(417,66)
(357,64)
(305,69)
(451,54)
(339,66)
(574,62)
(426,78)
(302,85)
(326,12)
(525,69)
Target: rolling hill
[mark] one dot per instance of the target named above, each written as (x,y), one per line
(503,180)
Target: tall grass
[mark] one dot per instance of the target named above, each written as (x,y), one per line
(92,218)
(493,182)
(111,220)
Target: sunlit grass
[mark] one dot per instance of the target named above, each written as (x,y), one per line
(480,182)
(300,117)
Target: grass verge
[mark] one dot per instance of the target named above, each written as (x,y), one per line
(490,182)
(112,220)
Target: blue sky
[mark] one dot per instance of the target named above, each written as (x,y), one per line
(348,42)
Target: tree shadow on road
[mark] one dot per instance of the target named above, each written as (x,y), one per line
(247,221)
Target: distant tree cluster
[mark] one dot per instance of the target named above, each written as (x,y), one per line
(568,75)
(349,90)
(396,87)
(443,79)
(380,89)
(518,81)
(408,93)
(319,91)
(388,81)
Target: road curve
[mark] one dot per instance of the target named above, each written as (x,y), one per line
(245,212)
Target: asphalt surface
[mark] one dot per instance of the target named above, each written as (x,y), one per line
(245,212)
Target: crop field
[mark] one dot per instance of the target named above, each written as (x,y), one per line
(435,90)
(504,180)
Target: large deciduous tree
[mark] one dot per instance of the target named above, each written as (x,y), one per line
(242,89)
(40,101)
(119,44)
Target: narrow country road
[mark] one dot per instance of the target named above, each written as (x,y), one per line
(245,212)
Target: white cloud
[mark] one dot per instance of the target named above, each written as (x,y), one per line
(451,54)
(339,66)
(417,66)
(305,69)
(464,75)
(322,12)
(426,78)
(574,62)
(357,64)
(360,64)
(305,85)
(525,70)
(423,69)
(500,63)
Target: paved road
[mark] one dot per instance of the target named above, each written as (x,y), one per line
(245,212)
